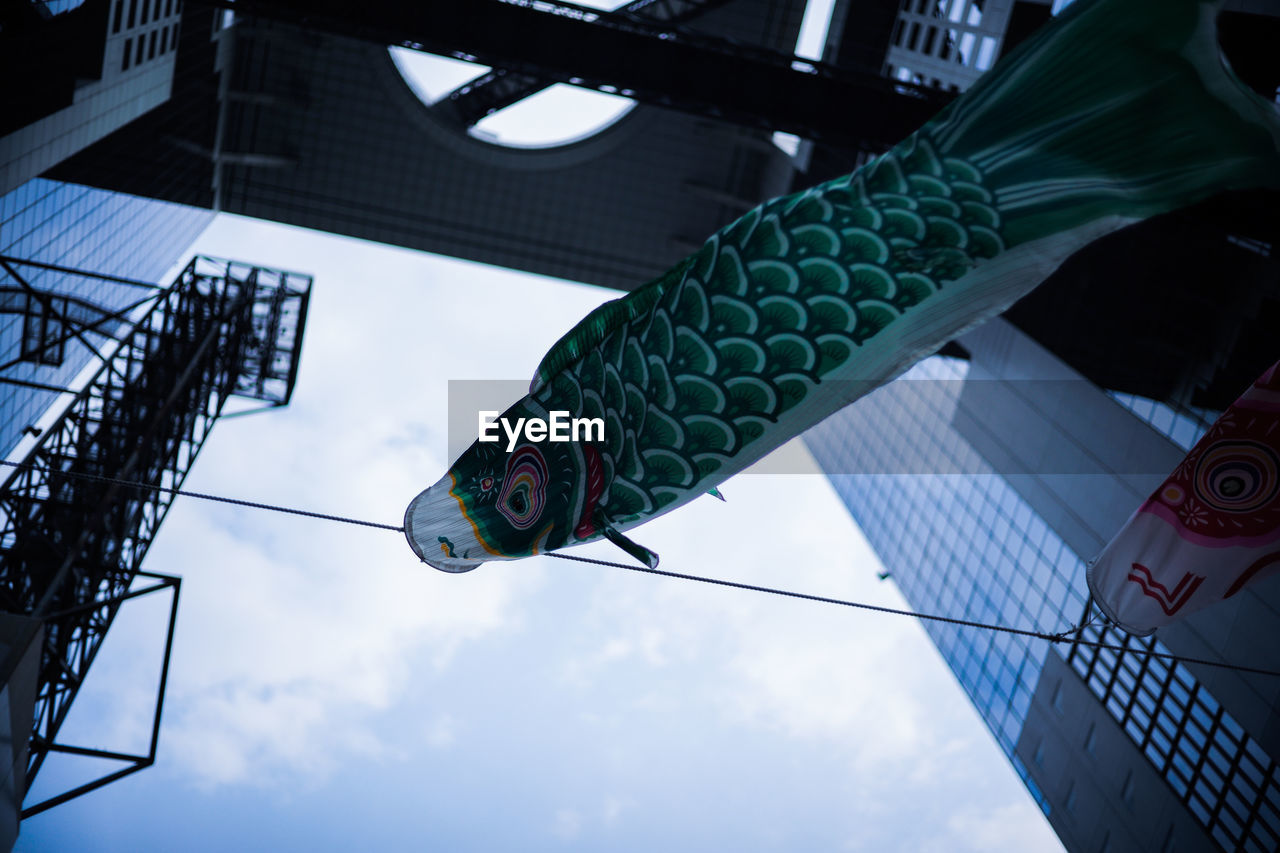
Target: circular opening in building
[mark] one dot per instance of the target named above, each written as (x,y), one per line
(556,115)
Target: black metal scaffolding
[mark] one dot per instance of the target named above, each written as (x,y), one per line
(71,540)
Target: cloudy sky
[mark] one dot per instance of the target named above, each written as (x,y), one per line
(328,690)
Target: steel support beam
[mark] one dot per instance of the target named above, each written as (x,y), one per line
(645,61)
(135,762)
(500,88)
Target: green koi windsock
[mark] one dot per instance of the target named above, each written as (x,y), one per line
(1116,111)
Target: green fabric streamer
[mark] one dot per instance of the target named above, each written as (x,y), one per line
(1116,111)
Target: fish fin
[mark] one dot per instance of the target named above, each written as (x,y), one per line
(715,493)
(641,553)
(1128,104)
(598,325)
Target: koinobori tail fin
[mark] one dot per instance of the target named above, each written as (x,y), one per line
(1130,108)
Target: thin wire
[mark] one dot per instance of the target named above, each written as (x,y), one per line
(1040,635)
(135,484)
(1064,637)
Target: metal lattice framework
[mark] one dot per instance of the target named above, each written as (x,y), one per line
(72,540)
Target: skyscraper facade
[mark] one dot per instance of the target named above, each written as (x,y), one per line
(82,228)
(86,70)
(985,484)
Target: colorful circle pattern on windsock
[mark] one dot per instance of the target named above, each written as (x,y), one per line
(523,488)
(1237,477)
(1228,487)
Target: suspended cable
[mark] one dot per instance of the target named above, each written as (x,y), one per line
(1040,635)
(1064,637)
(135,484)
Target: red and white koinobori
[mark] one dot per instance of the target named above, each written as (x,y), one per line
(1211,528)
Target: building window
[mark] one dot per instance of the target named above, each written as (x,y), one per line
(164,40)
(133,10)
(1227,781)
(151,51)
(142,45)
(118,18)
(986,53)
(146,8)
(128,54)
(42,332)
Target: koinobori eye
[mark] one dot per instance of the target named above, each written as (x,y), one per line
(523,488)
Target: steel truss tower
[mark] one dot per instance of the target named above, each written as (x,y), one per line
(73,533)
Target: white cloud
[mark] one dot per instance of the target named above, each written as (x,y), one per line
(611,810)
(568,824)
(441,733)
(1002,828)
(863,686)
(294,633)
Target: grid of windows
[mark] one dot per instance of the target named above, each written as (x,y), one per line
(43,330)
(945,44)
(968,545)
(147,44)
(1183,425)
(957,544)
(86,229)
(1221,773)
(129,13)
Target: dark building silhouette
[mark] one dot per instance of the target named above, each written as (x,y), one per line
(313,129)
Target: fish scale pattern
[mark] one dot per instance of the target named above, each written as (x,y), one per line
(776,303)
(810,301)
